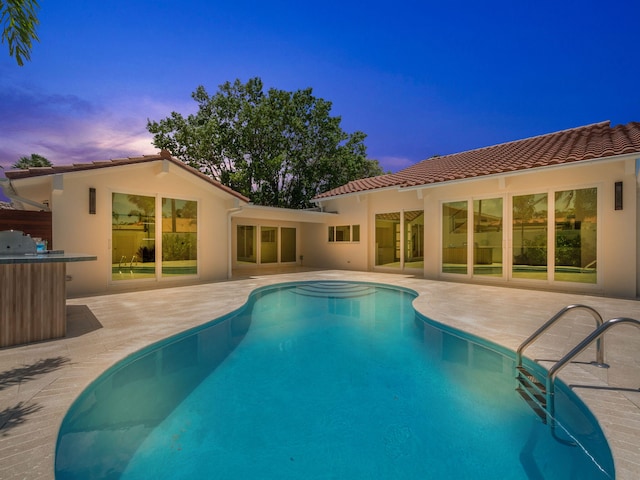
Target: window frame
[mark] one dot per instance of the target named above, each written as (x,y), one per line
(332,233)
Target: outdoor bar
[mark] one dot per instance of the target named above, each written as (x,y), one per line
(32,290)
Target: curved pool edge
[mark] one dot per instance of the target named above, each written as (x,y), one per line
(27,448)
(507,316)
(466,322)
(155,357)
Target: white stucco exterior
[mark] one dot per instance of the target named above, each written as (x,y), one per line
(76,230)
(617,229)
(221,215)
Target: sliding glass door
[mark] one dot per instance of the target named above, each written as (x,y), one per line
(136,250)
(399,241)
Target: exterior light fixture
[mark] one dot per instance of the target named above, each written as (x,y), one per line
(92,201)
(618,195)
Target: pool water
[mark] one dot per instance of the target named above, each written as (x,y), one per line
(323,380)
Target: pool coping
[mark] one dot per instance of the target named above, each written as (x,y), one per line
(39,382)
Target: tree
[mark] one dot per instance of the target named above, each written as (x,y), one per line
(18,19)
(34,160)
(278,148)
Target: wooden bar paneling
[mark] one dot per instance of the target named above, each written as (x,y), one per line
(32,302)
(36,224)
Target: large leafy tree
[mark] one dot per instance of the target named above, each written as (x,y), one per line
(278,148)
(34,160)
(19,20)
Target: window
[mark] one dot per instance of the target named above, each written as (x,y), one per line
(179,237)
(576,221)
(344,233)
(400,239)
(133,237)
(263,244)
(246,243)
(487,237)
(454,237)
(135,251)
(355,230)
(529,234)
(414,239)
(268,244)
(388,239)
(288,244)
(553,236)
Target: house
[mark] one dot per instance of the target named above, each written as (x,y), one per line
(152,221)
(557,211)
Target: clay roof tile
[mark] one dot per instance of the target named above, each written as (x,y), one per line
(78,167)
(598,140)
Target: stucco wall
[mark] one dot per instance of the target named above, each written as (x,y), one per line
(351,255)
(617,251)
(77,231)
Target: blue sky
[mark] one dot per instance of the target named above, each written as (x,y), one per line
(418,77)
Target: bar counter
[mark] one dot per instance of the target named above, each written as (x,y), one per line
(33,296)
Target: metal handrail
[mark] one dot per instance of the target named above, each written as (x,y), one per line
(599,346)
(595,335)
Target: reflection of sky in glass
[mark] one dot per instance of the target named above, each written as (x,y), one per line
(123,207)
(167,206)
(187,207)
(490,206)
(121,204)
(527,206)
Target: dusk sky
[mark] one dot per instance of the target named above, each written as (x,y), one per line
(418,77)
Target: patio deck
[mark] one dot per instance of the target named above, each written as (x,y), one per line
(39,382)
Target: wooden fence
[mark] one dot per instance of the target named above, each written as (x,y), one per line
(36,224)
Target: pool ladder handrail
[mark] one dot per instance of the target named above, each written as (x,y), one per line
(535,335)
(529,386)
(588,340)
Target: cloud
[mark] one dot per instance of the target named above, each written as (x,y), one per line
(70,129)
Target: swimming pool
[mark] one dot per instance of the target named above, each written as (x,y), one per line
(322,380)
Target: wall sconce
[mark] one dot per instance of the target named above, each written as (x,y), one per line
(618,196)
(92,201)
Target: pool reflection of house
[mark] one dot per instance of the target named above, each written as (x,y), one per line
(558,211)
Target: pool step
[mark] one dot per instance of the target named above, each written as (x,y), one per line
(532,391)
(334,290)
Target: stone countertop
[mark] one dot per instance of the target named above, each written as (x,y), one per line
(51,256)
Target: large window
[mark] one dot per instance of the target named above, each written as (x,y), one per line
(388,239)
(246,244)
(571,227)
(454,237)
(274,244)
(179,237)
(399,239)
(487,237)
(288,244)
(268,244)
(576,214)
(529,234)
(414,239)
(133,237)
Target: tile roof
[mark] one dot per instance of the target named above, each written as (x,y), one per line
(78,167)
(589,142)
